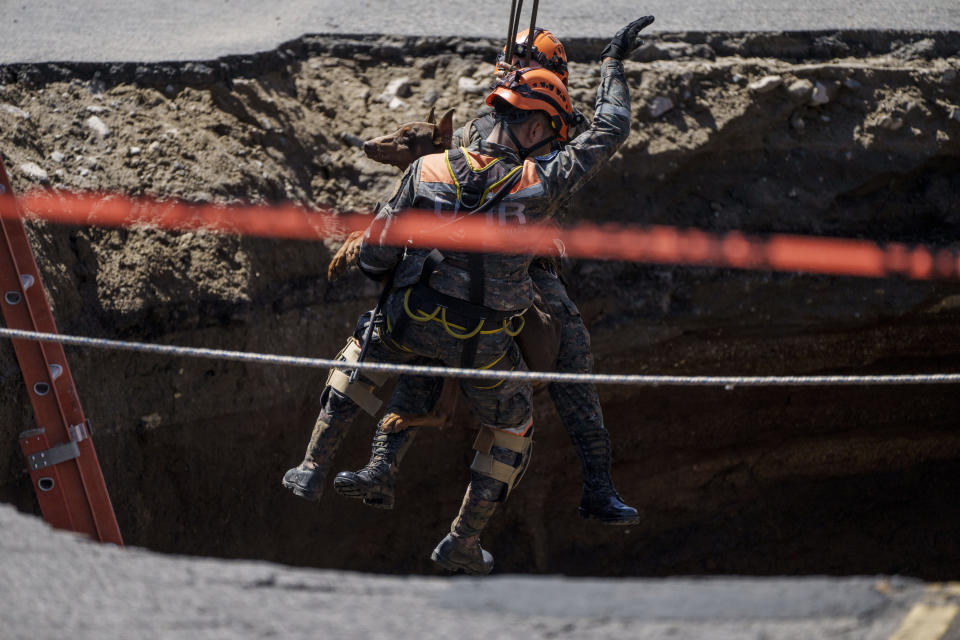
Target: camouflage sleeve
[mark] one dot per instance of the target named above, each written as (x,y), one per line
(581,124)
(466,136)
(375,258)
(458,136)
(565,171)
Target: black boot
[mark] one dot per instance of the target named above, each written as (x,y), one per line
(376,483)
(600,499)
(461,550)
(306,480)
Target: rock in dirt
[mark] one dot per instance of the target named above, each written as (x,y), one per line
(801,89)
(98,126)
(660,105)
(17,111)
(351,139)
(397,88)
(766,84)
(890,122)
(469,86)
(34,171)
(820,94)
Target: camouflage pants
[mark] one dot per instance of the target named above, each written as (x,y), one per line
(578,404)
(505,405)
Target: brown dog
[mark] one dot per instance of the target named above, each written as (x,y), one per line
(412,140)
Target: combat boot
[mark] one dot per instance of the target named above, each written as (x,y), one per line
(600,499)
(376,483)
(306,480)
(461,550)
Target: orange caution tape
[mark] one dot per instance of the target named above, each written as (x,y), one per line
(651,244)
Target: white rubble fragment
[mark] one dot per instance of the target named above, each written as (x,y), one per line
(470,86)
(96,108)
(660,105)
(801,89)
(57,156)
(820,94)
(399,87)
(851,83)
(765,84)
(396,103)
(98,126)
(890,123)
(153,146)
(955,113)
(34,171)
(797,122)
(133,151)
(14,110)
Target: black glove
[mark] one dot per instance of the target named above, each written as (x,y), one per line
(627,39)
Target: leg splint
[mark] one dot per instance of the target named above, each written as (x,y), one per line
(486,465)
(362,390)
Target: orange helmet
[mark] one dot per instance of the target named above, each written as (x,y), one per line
(535,90)
(547,51)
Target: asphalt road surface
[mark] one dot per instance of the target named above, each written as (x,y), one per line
(54,585)
(120,30)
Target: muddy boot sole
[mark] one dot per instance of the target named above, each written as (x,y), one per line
(615,520)
(348,487)
(293,480)
(443,557)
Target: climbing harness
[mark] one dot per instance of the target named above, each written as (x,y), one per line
(474,185)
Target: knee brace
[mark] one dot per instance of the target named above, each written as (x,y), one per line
(485,464)
(362,390)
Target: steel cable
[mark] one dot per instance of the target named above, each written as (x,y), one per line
(532,376)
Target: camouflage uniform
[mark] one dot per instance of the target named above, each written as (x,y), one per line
(508,286)
(578,404)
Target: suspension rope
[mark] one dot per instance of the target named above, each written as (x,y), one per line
(531,376)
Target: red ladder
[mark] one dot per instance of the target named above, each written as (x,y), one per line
(60,455)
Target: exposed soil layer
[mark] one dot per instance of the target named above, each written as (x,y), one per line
(831,134)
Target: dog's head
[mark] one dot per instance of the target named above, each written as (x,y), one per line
(412,140)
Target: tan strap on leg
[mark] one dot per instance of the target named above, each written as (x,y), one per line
(485,464)
(360,391)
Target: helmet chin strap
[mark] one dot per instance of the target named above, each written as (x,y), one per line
(524,151)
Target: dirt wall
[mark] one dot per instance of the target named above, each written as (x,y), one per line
(830,134)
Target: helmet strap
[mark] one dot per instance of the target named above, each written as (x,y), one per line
(525,151)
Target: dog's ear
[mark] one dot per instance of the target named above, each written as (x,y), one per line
(443,134)
(431,119)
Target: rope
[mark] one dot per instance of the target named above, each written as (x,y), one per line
(533,376)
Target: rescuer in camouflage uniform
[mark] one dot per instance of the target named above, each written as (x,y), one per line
(577,404)
(530,103)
